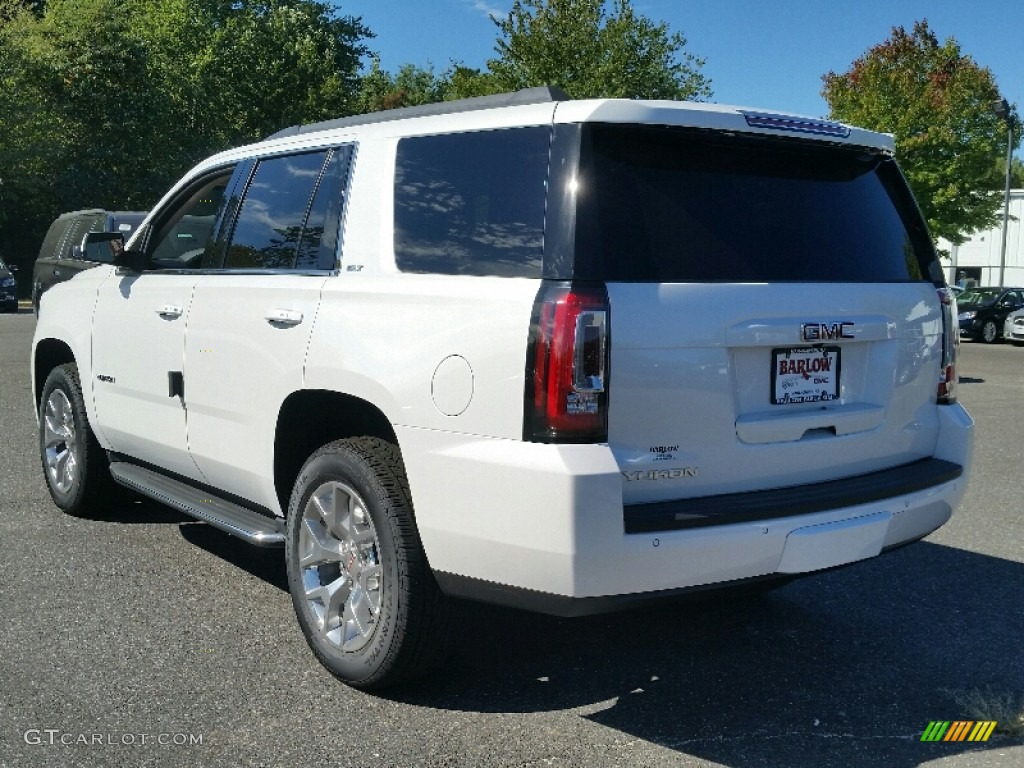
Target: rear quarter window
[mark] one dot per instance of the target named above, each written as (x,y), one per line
(660,204)
(472,203)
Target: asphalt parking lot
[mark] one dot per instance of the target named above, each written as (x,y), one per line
(141,638)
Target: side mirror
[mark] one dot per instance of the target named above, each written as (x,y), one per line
(102,247)
(12,268)
(108,248)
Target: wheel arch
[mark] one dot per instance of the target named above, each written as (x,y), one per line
(311,418)
(49,353)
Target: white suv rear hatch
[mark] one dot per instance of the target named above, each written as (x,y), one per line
(774,320)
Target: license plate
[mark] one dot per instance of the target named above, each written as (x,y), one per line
(805,375)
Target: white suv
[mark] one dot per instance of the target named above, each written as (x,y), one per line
(562,355)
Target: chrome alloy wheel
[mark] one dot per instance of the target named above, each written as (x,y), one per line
(339,559)
(60,444)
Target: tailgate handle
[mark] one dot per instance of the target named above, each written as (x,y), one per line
(170,311)
(283,317)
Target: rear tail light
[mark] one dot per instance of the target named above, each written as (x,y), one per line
(946,394)
(567,365)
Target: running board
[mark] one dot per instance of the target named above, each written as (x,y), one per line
(245,523)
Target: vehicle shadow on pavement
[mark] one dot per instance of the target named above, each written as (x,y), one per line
(846,668)
(131,509)
(266,563)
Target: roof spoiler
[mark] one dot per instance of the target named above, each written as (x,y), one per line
(538,95)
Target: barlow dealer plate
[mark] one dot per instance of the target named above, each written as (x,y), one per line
(805,375)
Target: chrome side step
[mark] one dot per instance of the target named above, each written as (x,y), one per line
(245,523)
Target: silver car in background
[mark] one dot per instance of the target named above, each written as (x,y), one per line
(1013,328)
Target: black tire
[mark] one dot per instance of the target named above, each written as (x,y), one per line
(989,332)
(85,485)
(380,560)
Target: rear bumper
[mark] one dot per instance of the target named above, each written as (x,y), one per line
(543,526)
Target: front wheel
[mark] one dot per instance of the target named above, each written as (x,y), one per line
(989,332)
(76,469)
(362,591)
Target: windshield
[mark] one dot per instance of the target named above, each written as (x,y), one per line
(2,265)
(980,296)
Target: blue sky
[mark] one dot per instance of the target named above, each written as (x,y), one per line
(758,53)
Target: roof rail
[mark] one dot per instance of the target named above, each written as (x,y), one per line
(538,95)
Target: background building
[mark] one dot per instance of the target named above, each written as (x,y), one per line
(977,259)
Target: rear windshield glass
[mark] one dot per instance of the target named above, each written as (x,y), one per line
(674,205)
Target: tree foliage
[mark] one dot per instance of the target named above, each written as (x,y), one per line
(410,86)
(589,48)
(590,51)
(104,103)
(938,103)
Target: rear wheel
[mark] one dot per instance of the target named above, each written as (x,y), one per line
(76,468)
(362,591)
(989,332)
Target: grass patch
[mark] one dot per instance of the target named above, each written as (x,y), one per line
(1007,709)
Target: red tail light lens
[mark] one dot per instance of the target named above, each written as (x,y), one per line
(567,365)
(947,390)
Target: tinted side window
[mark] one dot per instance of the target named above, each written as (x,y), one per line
(183,234)
(472,203)
(673,205)
(270,222)
(318,243)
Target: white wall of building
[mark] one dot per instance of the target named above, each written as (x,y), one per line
(979,256)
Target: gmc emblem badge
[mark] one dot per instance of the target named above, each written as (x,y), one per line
(825,331)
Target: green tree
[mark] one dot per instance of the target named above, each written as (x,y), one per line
(410,86)
(272,64)
(937,102)
(413,85)
(591,50)
(104,103)
(66,78)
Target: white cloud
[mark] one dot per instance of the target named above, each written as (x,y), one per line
(484,7)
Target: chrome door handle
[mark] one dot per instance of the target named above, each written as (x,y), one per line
(170,310)
(283,317)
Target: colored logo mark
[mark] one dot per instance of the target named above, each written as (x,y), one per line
(958,730)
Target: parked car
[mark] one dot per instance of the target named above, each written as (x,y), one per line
(60,256)
(8,288)
(1013,328)
(562,355)
(983,311)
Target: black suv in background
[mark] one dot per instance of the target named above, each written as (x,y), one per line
(8,288)
(60,256)
(983,311)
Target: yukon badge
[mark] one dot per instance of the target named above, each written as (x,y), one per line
(826,331)
(661,474)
